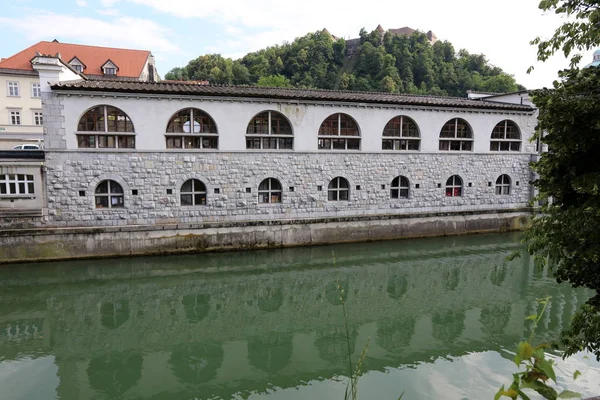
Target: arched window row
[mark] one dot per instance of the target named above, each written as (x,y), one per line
(109,193)
(191,128)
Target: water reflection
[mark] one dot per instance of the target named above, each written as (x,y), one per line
(245,323)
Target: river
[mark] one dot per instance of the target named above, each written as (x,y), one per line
(441,317)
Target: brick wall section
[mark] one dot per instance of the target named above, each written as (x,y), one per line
(152,173)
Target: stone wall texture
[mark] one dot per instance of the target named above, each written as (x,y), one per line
(73,176)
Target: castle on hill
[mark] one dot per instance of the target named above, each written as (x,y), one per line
(352,44)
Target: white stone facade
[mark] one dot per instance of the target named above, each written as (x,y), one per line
(152,175)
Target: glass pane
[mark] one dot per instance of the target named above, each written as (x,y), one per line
(30,188)
(515,146)
(174,142)
(263,197)
(387,144)
(413,144)
(404,193)
(506,189)
(252,143)
(186,200)
(343,184)
(200,199)
(101,201)
(210,142)
(339,144)
(498,189)
(264,185)
(457,191)
(269,143)
(126,142)
(3,188)
(325,144)
(276,197)
(115,187)
(393,127)
(329,127)
(116,201)
(455,145)
(448,130)
(394,193)
(102,187)
(332,195)
(259,124)
(285,143)
(444,145)
(344,195)
(187,187)
(191,142)
(353,144)
(12,188)
(280,125)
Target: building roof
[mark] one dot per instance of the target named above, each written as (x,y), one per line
(130,62)
(175,88)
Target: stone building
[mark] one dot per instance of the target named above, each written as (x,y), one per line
(372,165)
(21,116)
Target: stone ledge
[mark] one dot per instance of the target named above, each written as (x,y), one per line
(251,223)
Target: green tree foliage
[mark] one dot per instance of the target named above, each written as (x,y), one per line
(382,62)
(580,32)
(567,234)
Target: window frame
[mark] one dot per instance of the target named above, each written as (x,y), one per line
(503,185)
(23,187)
(184,138)
(36,88)
(38,117)
(110,71)
(504,141)
(270,191)
(14,87)
(15,117)
(401,139)
(335,188)
(451,183)
(260,137)
(106,139)
(332,138)
(396,191)
(462,142)
(109,195)
(193,193)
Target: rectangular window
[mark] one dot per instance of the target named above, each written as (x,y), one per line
(16,184)
(77,67)
(37,118)
(15,117)
(36,90)
(109,71)
(13,89)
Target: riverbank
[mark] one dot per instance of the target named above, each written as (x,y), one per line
(50,244)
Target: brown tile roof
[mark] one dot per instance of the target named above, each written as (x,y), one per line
(130,62)
(170,88)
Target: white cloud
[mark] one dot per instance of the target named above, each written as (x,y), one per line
(500,30)
(108,3)
(110,12)
(81,3)
(120,32)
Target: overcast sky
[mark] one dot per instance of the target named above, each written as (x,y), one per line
(179,30)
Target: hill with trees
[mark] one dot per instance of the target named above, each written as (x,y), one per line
(381,62)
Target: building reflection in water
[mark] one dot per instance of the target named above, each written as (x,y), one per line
(247,322)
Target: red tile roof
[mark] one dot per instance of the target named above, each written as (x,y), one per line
(130,62)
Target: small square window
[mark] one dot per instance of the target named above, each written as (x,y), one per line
(382,187)
(439,185)
(82,193)
(470,184)
(517,183)
(134,192)
(169,191)
(417,186)
(217,190)
(357,187)
(291,188)
(319,188)
(248,190)
(489,183)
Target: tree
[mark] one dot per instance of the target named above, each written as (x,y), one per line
(274,81)
(567,234)
(581,32)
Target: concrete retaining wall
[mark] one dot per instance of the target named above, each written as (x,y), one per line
(43,244)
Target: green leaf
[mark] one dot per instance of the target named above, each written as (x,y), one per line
(531,318)
(567,394)
(523,395)
(546,367)
(576,375)
(543,389)
(499,393)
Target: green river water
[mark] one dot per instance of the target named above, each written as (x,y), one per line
(443,317)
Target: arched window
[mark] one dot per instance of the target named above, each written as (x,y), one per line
(454,186)
(105,127)
(399,188)
(346,132)
(193,193)
(506,137)
(503,185)
(338,190)
(269,191)
(456,135)
(109,194)
(191,128)
(401,133)
(269,130)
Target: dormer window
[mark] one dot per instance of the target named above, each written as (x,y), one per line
(77,65)
(109,68)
